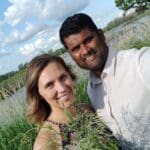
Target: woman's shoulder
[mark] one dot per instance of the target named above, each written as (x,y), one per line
(47,138)
(85,107)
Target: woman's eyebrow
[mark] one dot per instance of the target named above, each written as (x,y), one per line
(48,84)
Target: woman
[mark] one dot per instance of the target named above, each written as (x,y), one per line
(50,89)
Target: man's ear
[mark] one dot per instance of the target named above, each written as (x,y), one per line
(101,34)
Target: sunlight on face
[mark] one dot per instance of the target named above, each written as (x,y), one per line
(56,86)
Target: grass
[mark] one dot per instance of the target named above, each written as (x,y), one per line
(136,43)
(11,85)
(125,20)
(92,133)
(17,133)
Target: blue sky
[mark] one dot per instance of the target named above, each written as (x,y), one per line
(28,27)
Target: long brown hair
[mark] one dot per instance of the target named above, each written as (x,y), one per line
(38,108)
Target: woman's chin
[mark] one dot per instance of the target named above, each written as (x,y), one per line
(66,103)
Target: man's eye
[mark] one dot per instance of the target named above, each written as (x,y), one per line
(89,39)
(75,49)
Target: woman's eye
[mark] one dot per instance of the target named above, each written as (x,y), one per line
(50,85)
(63,77)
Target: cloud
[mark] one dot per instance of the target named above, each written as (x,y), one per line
(19,11)
(1,39)
(2,23)
(3,52)
(67,8)
(29,32)
(40,45)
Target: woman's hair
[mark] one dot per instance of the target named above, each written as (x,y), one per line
(38,108)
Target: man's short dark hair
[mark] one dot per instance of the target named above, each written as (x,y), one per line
(74,24)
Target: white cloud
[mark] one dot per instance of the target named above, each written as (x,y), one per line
(41,9)
(3,52)
(1,39)
(40,45)
(27,49)
(2,23)
(58,9)
(18,36)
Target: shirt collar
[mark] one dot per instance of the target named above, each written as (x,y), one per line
(110,65)
(109,68)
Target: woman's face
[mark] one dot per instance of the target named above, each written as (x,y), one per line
(56,86)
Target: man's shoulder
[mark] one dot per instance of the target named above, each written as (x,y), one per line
(131,56)
(138,59)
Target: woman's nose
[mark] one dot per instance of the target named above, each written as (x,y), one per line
(60,87)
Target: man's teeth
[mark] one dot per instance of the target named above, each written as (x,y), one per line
(89,58)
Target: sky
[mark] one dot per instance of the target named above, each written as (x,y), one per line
(30,27)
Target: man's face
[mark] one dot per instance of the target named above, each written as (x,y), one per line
(88,49)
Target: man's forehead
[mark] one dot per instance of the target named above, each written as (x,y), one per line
(79,35)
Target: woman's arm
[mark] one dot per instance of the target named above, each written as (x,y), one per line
(47,139)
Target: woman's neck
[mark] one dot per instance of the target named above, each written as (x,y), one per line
(61,115)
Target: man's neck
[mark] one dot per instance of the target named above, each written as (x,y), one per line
(99,71)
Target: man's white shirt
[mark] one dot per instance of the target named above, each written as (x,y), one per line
(121,96)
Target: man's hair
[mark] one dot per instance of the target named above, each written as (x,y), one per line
(74,24)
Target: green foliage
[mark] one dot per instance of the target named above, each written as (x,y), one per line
(136,43)
(131,18)
(22,66)
(7,75)
(138,5)
(91,133)
(118,21)
(57,52)
(12,84)
(18,135)
(81,88)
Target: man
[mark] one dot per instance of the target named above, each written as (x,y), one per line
(119,85)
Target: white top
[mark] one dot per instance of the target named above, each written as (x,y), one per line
(122,95)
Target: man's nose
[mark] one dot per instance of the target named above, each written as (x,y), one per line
(84,50)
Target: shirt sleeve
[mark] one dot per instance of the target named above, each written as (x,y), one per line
(143,65)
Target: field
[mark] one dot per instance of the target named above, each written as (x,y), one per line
(17,133)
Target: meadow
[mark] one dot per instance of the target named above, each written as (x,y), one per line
(17,133)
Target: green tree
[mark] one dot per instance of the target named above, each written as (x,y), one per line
(138,5)
(22,66)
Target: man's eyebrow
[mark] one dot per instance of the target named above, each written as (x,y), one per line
(77,46)
(88,38)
